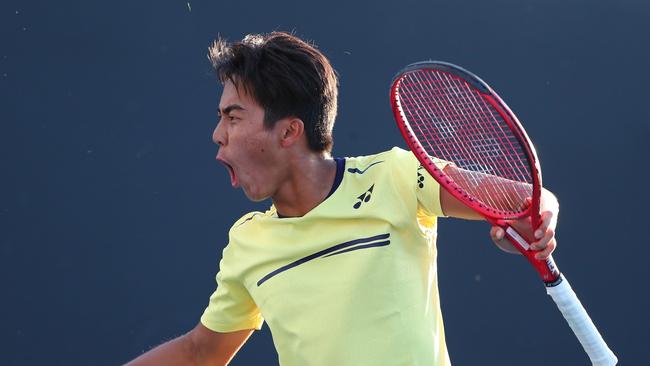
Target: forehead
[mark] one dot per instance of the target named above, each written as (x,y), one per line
(232,94)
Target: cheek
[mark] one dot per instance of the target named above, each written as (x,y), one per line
(259,157)
(260,173)
(260,148)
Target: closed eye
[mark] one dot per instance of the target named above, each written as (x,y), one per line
(227,117)
(228,111)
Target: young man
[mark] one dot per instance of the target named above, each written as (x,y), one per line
(343,265)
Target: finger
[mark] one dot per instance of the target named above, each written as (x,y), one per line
(497,233)
(547,218)
(548,250)
(498,236)
(542,243)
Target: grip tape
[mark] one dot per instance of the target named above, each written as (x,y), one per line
(581,324)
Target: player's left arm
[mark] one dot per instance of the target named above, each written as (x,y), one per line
(545,234)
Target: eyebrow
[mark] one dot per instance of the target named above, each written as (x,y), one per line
(231,108)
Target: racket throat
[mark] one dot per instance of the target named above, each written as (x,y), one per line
(546,268)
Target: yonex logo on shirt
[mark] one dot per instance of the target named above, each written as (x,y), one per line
(365,197)
(420,177)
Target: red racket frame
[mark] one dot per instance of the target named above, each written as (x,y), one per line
(546,268)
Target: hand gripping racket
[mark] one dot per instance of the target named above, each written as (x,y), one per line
(446,112)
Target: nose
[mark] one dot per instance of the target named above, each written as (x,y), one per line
(219,135)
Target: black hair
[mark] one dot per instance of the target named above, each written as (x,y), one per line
(288,78)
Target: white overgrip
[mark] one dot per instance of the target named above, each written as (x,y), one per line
(579,321)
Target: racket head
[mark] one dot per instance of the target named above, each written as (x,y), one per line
(444,111)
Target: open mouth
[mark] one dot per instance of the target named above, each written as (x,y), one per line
(231,171)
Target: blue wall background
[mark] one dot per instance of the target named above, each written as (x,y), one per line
(113,212)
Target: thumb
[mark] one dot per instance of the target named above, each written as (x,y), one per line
(496,233)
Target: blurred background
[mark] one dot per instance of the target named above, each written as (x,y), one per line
(114,213)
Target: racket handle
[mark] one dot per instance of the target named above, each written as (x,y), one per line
(581,324)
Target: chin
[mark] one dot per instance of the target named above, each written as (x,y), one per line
(257,199)
(255,196)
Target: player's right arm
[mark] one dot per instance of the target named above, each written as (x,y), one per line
(200,346)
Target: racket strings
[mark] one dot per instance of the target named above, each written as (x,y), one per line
(447,131)
(467,93)
(504,189)
(454,122)
(479,181)
(473,182)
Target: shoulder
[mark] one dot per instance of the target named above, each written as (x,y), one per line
(249,219)
(392,153)
(241,232)
(395,164)
(395,167)
(395,156)
(405,161)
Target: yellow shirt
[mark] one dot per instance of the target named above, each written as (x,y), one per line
(352,282)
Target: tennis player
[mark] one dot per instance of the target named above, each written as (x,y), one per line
(342,266)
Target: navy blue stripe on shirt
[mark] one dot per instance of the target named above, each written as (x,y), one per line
(356,170)
(340,168)
(371,245)
(322,253)
(248,219)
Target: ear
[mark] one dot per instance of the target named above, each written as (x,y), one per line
(293,129)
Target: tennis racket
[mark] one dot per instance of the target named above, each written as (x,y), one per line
(445,112)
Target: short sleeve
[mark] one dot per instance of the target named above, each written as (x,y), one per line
(231,307)
(428,189)
(415,176)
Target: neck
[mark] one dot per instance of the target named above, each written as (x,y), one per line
(310,180)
